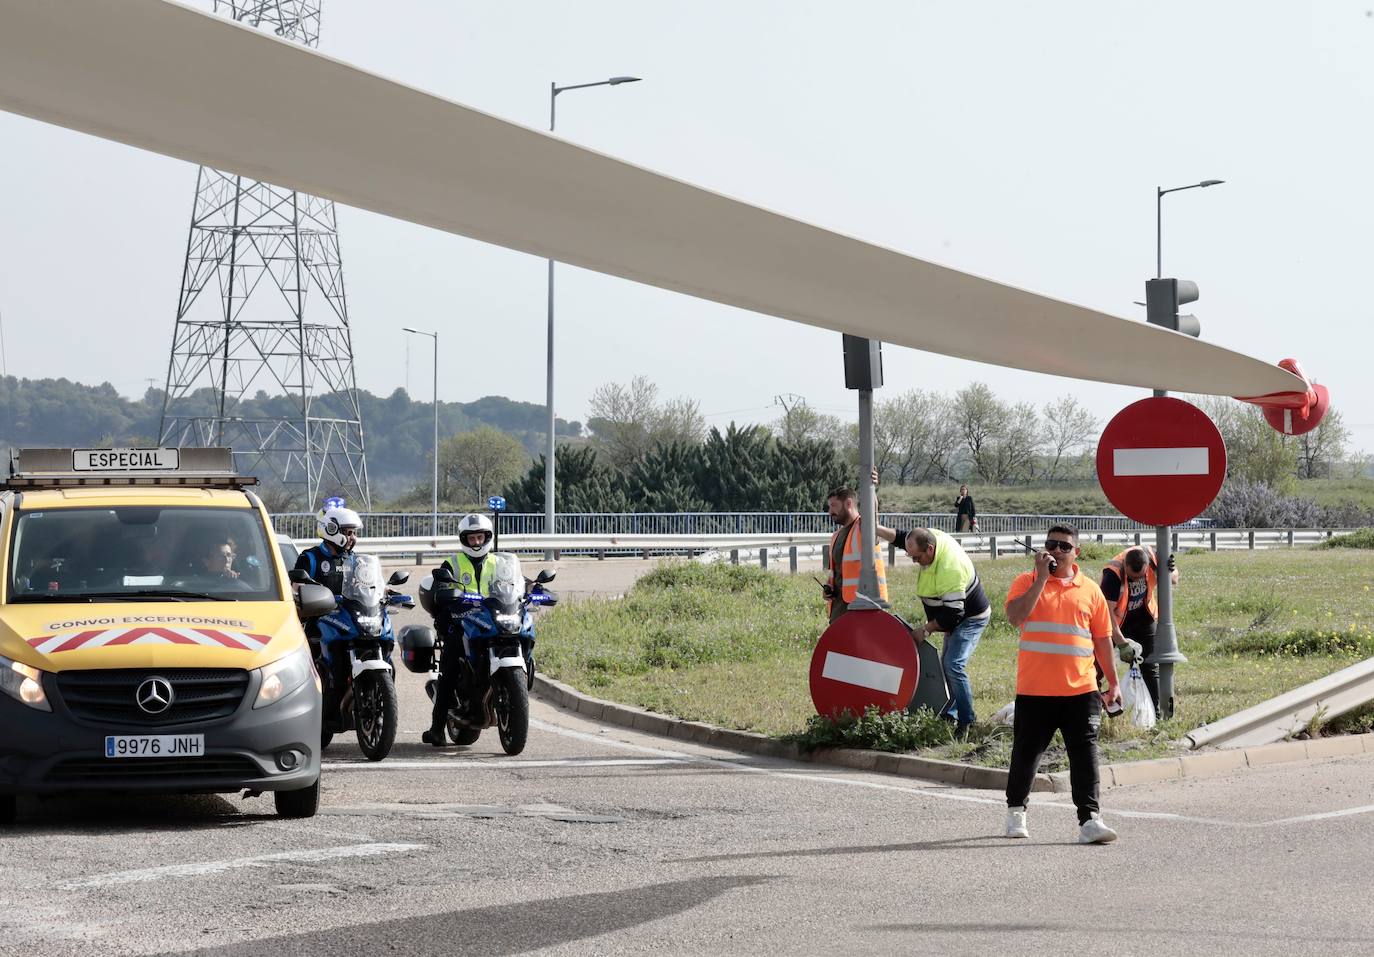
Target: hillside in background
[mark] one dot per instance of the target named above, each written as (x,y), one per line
(398,431)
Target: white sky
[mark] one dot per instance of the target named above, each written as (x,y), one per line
(1018,141)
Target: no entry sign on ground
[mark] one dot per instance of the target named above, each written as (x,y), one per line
(1161,461)
(865,659)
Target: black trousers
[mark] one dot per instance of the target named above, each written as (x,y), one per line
(1038,717)
(447,685)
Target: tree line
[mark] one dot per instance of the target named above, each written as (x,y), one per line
(398,431)
(642,452)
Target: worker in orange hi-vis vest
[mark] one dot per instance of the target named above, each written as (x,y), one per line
(846,555)
(1065,625)
(1130,582)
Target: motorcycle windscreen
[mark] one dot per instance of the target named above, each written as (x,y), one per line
(362,580)
(507,582)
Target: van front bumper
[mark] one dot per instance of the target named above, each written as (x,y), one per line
(53,752)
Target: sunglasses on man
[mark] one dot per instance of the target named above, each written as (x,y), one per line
(1058,544)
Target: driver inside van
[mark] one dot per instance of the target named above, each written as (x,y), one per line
(217,561)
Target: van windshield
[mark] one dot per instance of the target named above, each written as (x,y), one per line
(141,553)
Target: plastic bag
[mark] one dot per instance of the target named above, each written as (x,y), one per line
(1135,697)
(1005,715)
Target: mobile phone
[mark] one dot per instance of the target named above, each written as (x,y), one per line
(1109,707)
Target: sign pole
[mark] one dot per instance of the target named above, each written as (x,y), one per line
(1166,653)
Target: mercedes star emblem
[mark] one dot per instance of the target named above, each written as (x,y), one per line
(154,695)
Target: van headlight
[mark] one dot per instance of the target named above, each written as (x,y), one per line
(23,683)
(283,676)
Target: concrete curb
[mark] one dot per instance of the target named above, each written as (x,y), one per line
(1204,764)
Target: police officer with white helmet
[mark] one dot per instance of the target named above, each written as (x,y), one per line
(339,528)
(475,536)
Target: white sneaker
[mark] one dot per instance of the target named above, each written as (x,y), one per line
(1016,823)
(1093,831)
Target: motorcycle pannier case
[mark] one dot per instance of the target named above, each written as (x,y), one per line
(417,648)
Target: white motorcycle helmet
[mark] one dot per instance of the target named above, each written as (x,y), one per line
(333,519)
(475,523)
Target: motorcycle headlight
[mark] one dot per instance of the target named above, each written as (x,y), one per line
(24,684)
(508,622)
(283,676)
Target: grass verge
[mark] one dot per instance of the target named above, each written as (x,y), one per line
(731,645)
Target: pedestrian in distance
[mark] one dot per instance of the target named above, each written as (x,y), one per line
(965,514)
(956,607)
(1130,584)
(846,554)
(1065,625)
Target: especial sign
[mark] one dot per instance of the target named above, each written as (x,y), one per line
(125,460)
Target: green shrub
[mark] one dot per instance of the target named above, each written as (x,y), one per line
(1355,642)
(1364,538)
(894,731)
(720,577)
(1359,721)
(1098,551)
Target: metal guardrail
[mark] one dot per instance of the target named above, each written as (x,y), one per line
(412,524)
(769,549)
(1282,716)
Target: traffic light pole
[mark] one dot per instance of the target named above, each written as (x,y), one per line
(1162,299)
(868,504)
(863,371)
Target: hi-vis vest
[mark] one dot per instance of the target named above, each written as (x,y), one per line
(466,573)
(1056,649)
(851,565)
(1118,565)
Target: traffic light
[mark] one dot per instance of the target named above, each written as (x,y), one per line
(1162,299)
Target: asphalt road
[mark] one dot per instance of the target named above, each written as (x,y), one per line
(598,840)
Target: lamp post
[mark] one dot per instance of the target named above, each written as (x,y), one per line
(554,90)
(1166,653)
(1160,193)
(434,490)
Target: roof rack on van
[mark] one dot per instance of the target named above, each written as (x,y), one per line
(74,468)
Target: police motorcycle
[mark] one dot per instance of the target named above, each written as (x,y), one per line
(360,628)
(494,635)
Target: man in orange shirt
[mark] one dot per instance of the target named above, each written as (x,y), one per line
(1065,624)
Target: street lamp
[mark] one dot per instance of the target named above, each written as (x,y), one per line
(554,90)
(1159,201)
(1166,653)
(434,490)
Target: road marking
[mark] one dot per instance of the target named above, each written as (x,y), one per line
(1326,815)
(861,672)
(1181,461)
(612,742)
(943,794)
(554,812)
(497,764)
(203,868)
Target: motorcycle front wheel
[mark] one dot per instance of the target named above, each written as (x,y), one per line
(511,702)
(374,713)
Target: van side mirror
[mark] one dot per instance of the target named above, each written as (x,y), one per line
(299,576)
(398,577)
(546,576)
(314,601)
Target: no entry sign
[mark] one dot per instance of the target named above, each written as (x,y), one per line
(865,659)
(1161,461)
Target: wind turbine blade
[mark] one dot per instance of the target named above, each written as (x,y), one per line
(169,78)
